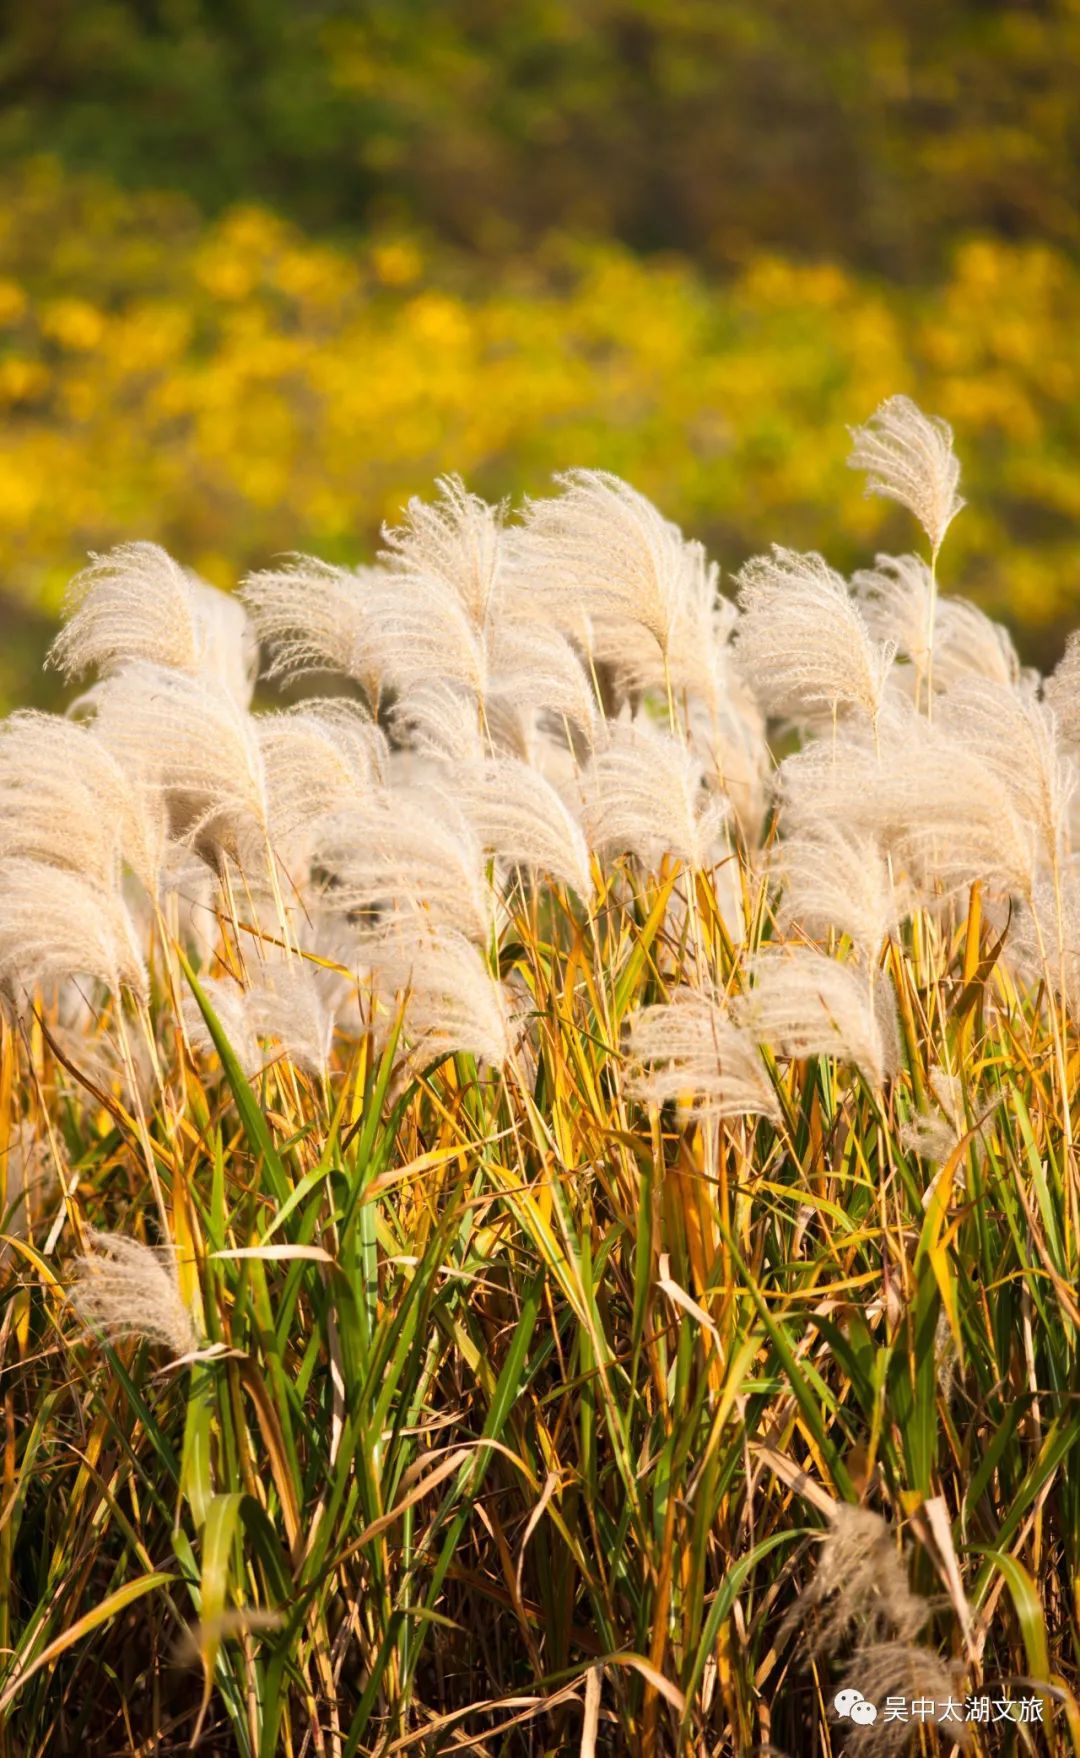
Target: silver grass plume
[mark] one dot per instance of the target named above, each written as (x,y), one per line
(805,1003)
(137,604)
(523,679)
(690,1050)
(455,542)
(122,1288)
(27,1180)
(935,806)
(1044,942)
(440,722)
(1062,692)
(386,631)
(518,816)
(1015,735)
(191,742)
(56,925)
(726,728)
(310,616)
(938,1132)
(64,800)
(898,600)
(533,666)
(603,549)
(228,1001)
(644,793)
(906,1671)
(859,1588)
(408,849)
(318,757)
(287,1003)
(451,1001)
(909,458)
(803,643)
(833,878)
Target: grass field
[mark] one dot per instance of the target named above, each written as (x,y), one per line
(542,1204)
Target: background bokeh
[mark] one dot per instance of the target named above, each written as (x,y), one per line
(268,268)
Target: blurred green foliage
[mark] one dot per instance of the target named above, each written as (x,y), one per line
(867,133)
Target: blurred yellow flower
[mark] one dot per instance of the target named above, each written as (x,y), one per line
(236,390)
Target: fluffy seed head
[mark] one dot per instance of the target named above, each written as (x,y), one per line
(802,643)
(518,816)
(897,599)
(643,793)
(451,1001)
(904,1671)
(55,925)
(804,1003)
(455,542)
(909,458)
(835,879)
(602,549)
(859,1588)
(122,1288)
(137,604)
(690,1050)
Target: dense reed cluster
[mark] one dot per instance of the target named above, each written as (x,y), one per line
(677,937)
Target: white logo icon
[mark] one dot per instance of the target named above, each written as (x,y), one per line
(851,1705)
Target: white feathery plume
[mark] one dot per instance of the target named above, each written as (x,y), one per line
(907,1673)
(227,643)
(909,458)
(122,1288)
(1062,692)
(440,720)
(1044,942)
(518,816)
(860,1586)
(137,604)
(309,614)
(317,758)
(455,541)
(935,806)
(520,675)
(1015,736)
(802,642)
(410,849)
(967,641)
(413,631)
(804,1003)
(385,630)
(55,925)
(533,666)
(189,896)
(898,600)
(27,1179)
(937,1133)
(834,878)
(191,741)
(65,800)
(229,1004)
(690,1050)
(727,731)
(601,549)
(452,1001)
(133,603)
(643,793)
(292,1004)
(285,1002)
